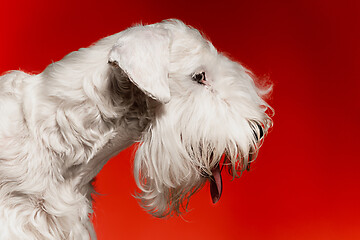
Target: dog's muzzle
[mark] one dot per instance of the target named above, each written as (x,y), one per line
(216,184)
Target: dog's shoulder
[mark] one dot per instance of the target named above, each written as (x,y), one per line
(11,85)
(11,82)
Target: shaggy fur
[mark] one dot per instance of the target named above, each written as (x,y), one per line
(163,85)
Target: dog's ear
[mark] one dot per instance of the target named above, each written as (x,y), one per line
(142,53)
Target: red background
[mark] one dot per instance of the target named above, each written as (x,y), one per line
(305,183)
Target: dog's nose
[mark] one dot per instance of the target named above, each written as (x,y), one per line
(261,132)
(204,174)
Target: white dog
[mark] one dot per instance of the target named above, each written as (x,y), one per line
(162,85)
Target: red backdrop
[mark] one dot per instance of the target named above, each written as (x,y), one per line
(305,183)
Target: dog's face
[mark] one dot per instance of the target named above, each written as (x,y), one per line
(211,113)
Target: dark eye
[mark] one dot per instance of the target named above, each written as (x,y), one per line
(199,77)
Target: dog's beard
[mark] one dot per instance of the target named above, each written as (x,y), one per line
(163,200)
(166,187)
(171,166)
(165,174)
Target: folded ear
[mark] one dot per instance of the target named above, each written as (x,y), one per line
(142,52)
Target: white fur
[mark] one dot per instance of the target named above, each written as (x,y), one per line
(58,128)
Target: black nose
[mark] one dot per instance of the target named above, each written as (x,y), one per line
(260,131)
(258,134)
(205,174)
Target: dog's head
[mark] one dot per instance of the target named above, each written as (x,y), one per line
(211,113)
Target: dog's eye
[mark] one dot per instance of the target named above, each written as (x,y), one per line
(199,77)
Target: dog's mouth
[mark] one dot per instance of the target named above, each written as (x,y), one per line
(216,183)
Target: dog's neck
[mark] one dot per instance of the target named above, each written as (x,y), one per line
(130,125)
(97,112)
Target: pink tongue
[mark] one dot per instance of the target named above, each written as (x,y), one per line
(216,185)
